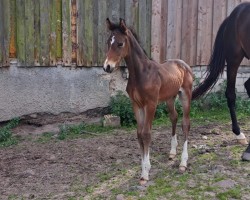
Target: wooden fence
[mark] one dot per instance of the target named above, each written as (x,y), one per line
(51,32)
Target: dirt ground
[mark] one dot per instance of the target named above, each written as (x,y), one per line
(92,167)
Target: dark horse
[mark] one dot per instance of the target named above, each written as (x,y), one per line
(149,83)
(231,45)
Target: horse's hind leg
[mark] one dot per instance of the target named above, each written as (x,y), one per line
(173,117)
(246,154)
(247,86)
(185,97)
(231,97)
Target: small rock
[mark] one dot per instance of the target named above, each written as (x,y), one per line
(27,173)
(204,137)
(52,158)
(120,197)
(215,131)
(34,116)
(226,184)
(210,194)
(194,146)
(111,120)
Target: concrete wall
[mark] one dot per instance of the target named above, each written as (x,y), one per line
(242,76)
(54,90)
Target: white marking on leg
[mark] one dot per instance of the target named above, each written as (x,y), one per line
(184,155)
(145,164)
(241,136)
(112,40)
(174,144)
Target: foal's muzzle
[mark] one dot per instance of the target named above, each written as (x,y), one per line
(109,66)
(107,69)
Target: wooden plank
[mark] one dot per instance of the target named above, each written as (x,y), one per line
(114,10)
(204,36)
(142,23)
(219,14)
(21,50)
(95,33)
(155,31)
(53,26)
(88,33)
(132,14)
(148,27)
(66,32)
(29,32)
(1,35)
(12,47)
(122,9)
(163,30)
(74,14)
(189,31)
(80,33)
(6,32)
(174,27)
(58,31)
(231,4)
(103,33)
(44,32)
(37,34)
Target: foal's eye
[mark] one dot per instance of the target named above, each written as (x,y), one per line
(120,44)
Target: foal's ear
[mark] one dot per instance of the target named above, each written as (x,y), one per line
(109,24)
(123,25)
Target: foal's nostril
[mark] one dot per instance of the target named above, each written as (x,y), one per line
(108,68)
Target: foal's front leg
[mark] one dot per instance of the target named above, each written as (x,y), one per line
(144,117)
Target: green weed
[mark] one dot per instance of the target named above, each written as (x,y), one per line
(45,137)
(6,138)
(232,193)
(80,130)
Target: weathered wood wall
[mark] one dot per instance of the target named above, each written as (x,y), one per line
(51,32)
(188,28)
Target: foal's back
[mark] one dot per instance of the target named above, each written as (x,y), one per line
(175,75)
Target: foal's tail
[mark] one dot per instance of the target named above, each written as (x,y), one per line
(216,64)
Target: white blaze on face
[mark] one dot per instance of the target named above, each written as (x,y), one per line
(112,40)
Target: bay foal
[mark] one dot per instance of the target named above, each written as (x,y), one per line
(148,84)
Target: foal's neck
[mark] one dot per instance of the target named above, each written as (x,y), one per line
(135,58)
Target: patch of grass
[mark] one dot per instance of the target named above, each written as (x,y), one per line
(215,103)
(6,138)
(45,137)
(232,193)
(80,130)
(104,176)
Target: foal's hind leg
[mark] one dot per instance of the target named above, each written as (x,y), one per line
(173,117)
(231,97)
(185,97)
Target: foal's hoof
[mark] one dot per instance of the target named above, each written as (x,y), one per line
(182,169)
(171,156)
(245,156)
(143,181)
(242,141)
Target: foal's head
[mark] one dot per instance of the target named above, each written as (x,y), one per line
(117,45)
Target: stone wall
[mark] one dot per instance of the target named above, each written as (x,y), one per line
(242,76)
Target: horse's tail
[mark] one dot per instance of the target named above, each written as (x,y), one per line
(216,64)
